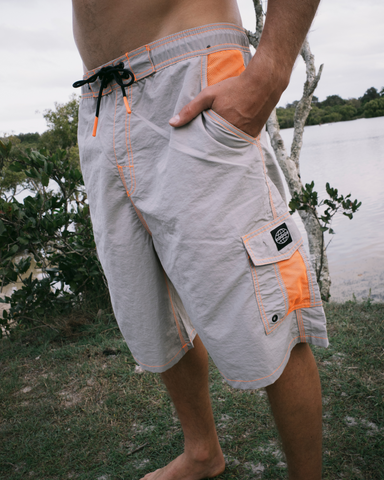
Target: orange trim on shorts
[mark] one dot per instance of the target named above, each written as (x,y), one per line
(224,64)
(141,218)
(294,274)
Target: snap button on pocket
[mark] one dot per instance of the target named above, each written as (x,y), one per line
(279,270)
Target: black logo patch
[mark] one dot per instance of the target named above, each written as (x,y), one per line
(281,236)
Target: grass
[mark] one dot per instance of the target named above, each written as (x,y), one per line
(73,407)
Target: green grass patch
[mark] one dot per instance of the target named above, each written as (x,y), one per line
(73,407)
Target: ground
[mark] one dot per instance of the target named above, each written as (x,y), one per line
(75,405)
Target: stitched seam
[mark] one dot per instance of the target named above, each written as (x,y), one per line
(113,135)
(128,120)
(172,38)
(273,327)
(281,283)
(221,27)
(205,59)
(306,262)
(202,72)
(138,213)
(140,75)
(129,152)
(262,378)
(182,341)
(228,126)
(257,294)
(302,331)
(289,310)
(266,227)
(190,334)
(200,51)
(276,258)
(302,325)
(182,37)
(115,85)
(130,164)
(301,305)
(130,157)
(298,323)
(186,56)
(306,305)
(266,179)
(149,56)
(159,366)
(140,51)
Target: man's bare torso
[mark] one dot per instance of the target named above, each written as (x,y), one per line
(106,29)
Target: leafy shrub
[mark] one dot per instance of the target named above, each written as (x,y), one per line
(53,227)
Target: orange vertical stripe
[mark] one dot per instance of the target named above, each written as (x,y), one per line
(224,64)
(294,275)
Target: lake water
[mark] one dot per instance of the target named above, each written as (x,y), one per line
(350,156)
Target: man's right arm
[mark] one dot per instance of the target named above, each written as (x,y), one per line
(247,101)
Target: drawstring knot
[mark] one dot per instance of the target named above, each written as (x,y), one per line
(106,75)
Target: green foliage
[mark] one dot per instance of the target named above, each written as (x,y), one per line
(332,101)
(347,112)
(61,135)
(52,226)
(308,200)
(374,108)
(11,182)
(336,109)
(332,117)
(285,117)
(370,94)
(62,126)
(79,410)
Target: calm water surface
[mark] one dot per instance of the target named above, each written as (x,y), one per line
(350,156)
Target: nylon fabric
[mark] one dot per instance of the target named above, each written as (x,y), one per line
(184,218)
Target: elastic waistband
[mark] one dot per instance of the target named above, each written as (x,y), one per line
(148,59)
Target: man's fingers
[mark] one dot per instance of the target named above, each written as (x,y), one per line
(202,102)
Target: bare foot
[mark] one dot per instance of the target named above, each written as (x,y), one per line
(184,468)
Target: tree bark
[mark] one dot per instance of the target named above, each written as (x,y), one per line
(290,164)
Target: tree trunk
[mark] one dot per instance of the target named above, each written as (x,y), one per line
(290,165)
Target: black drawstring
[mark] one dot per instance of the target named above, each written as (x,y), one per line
(106,75)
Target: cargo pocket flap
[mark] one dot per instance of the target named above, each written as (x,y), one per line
(280,271)
(274,242)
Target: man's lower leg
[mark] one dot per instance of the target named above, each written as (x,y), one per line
(187,384)
(296,405)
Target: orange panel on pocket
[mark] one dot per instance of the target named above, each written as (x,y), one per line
(224,64)
(294,274)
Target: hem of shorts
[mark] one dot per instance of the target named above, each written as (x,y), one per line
(265,382)
(175,359)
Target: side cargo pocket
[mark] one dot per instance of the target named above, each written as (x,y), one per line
(281,272)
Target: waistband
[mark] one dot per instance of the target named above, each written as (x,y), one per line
(148,59)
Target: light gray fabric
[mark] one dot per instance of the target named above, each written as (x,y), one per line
(184,220)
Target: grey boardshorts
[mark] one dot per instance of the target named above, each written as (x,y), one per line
(191,225)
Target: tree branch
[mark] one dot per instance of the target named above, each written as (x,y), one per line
(290,164)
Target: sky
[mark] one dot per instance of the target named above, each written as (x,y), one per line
(39,61)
